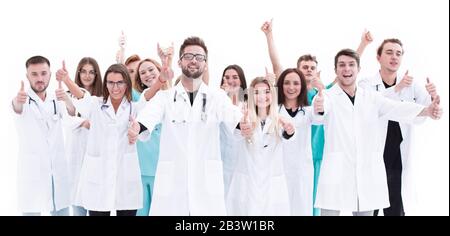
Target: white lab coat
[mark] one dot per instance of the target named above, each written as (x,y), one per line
(41,155)
(76,142)
(352,175)
(414,93)
(189,175)
(229,150)
(298,163)
(110,177)
(258,185)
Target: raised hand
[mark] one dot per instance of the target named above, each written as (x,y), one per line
(287,126)
(316,82)
(318,102)
(267,27)
(431,89)
(366,37)
(246,125)
(122,40)
(271,77)
(133,130)
(164,53)
(166,71)
(405,82)
(21,97)
(62,74)
(61,95)
(434,110)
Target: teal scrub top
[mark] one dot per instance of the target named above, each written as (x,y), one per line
(148,152)
(317,131)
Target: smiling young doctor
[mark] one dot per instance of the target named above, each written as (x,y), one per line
(43,181)
(397,137)
(189,175)
(110,178)
(353,176)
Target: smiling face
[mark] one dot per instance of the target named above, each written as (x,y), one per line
(39,77)
(116,86)
(194,67)
(292,86)
(231,78)
(346,70)
(148,73)
(87,75)
(262,95)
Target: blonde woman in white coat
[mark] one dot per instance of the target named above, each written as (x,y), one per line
(298,162)
(258,185)
(110,178)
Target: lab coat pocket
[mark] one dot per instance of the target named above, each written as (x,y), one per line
(94,169)
(331,169)
(131,167)
(214,177)
(164,179)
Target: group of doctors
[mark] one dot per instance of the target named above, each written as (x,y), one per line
(211,154)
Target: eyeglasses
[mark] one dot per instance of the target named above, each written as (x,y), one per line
(190,56)
(90,73)
(120,84)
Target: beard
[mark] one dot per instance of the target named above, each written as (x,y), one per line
(39,90)
(192,75)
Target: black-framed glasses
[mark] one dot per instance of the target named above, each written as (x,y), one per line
(191,56)
(120,84)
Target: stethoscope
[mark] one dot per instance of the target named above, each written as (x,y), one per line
(203,114)
(55,114)
(301,109)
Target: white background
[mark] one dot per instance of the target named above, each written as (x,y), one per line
(71,30)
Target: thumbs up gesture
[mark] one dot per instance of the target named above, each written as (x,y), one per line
(366,37)
(318,102)
(405,82)
(431,89)
(267,27)
(287,126)
(61,95)
(122,40)
(21,97)
(271,77)
(246,125)
(316,82)
(62,74)
(133,130)
(434,110)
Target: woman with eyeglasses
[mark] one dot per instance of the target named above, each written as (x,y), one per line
(88,78)
(110,177)
(258,185)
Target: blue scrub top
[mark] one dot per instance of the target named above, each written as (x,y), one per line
(148,152)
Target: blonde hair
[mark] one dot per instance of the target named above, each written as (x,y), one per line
(274,128)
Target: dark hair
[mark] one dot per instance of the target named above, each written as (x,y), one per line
(193,41)
(306,57)
(119,69)
(36,60)
(240,72)
(346,52)
(139,86)
(302,99)
(393,40)
(132,59)
(97,86)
